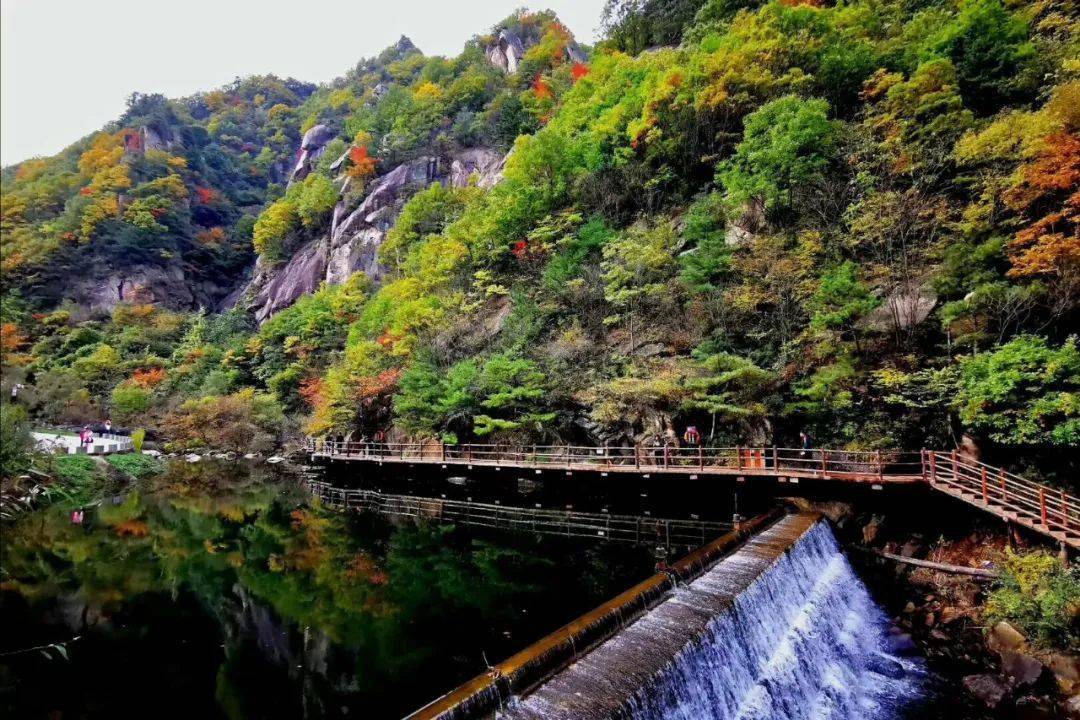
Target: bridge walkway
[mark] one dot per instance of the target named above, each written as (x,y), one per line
(1049,511)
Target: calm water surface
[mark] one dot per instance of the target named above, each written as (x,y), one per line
(219,592)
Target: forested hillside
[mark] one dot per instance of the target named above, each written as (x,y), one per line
(861,219)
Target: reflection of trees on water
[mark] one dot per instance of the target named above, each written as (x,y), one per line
(313,610)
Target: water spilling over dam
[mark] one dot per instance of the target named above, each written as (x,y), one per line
(780,629)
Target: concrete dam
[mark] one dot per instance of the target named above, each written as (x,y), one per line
(780,629)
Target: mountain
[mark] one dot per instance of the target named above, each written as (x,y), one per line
(857,219)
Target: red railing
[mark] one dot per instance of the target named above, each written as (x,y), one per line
(1051,510)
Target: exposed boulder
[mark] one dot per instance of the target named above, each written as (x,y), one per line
(487,165)
(312,147)
(903,308)
(506,52)
(989,689)
(354,237)
(508,48)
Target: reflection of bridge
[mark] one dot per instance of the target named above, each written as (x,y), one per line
(638,529)
(1046,510)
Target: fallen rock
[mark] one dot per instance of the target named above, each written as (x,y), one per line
(1004,636)
(192,458)
(1021,667)
(1066,670)
(275,459)
(900,643)
(991,690)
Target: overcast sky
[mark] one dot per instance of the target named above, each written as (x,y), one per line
(66,66)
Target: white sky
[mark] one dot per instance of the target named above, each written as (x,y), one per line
(67,66)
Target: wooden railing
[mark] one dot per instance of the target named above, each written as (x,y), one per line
(1051,511)
(814,463)
(637,529)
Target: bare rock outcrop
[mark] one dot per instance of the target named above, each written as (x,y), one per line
(101,289)
(311,149)
(354,237)
(487,165)
(301,275)
(506,51)
(508,48)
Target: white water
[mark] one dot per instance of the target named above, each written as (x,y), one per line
(755,638)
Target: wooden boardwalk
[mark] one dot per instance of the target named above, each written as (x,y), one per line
(1049,511)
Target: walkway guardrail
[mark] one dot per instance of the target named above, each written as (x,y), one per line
(858,465)
(1051,511)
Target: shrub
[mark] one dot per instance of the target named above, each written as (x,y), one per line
(129,401)
(137,437)
(1038,594)
(76,470)
(243,421)
(16,442)
(136,466)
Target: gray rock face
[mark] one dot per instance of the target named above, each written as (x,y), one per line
(354,237)
(486,164)
(312,147)
(103,288)
(301,275)
(506,51)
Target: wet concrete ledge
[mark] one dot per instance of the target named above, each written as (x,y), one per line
(544,659)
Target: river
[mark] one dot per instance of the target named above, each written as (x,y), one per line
(219,592)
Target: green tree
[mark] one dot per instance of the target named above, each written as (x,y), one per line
(786,143)
(727,387)
(842,300)
(1025,392)
(637,266)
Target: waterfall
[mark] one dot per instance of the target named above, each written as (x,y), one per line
(783,629)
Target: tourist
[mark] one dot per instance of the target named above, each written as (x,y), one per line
(804,440)
(87,436)
(108,426)
(691,437)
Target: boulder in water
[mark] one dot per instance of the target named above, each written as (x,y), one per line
(192,458)
(275,459)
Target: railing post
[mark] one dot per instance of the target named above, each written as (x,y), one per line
(955,471)
(1064,511)
(701,457)
(1001,480)
(1042,506)
(637,456)
(982,476)
(880,468)
(738,457)
(775,463)
(666,446)
(825,462)
(442,450)
(933,466)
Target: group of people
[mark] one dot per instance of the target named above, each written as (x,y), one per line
(86,435)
